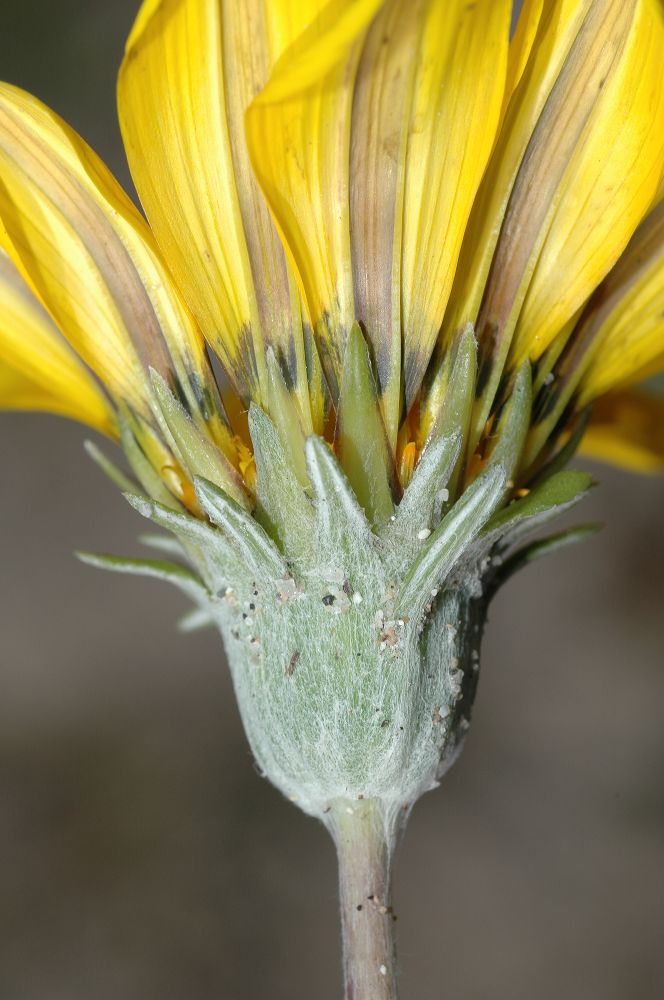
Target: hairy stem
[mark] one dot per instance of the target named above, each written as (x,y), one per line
(364,844)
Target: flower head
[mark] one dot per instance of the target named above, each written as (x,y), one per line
(395,265)
(335,191)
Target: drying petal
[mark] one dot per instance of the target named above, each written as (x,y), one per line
(378,149)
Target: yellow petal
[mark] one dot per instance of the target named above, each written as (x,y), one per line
(37,369)
(458,93)
(191,69)
(623,328)
(627,429)
(309,39)
(607,188)
(660,191)
(575,168)
(298,131)
(536,62)
(18,392)
(90,258)
(171,98)
(521,45)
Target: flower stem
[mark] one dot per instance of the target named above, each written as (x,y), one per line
(364,845)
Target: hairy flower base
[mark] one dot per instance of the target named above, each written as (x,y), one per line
(342,697)
(354,649)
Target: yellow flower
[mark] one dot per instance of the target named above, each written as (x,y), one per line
(391,257)
(334,190)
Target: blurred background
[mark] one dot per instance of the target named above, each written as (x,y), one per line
(143,858)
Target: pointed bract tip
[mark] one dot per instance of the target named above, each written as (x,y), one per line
(141,504)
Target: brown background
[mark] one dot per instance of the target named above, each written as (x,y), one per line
(141,856)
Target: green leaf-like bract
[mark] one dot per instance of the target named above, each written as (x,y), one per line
(159,569)
(255,546)
(452,537)
(361,437)
(284,509)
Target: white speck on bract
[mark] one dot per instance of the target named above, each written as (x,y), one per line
(287,589)
(333,574)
